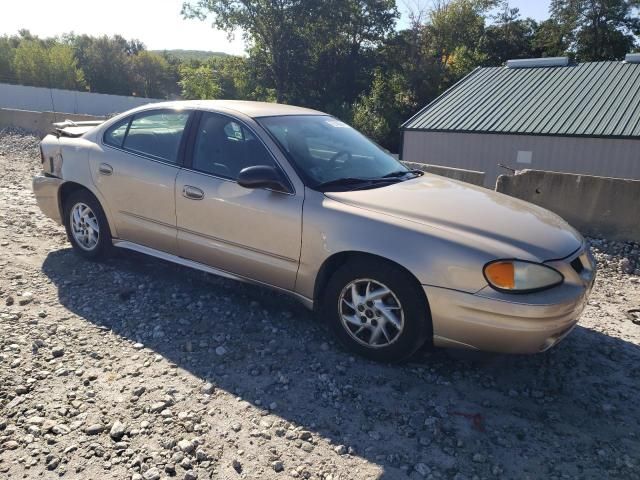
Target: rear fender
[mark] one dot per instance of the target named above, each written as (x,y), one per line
(51,156)
(76,173)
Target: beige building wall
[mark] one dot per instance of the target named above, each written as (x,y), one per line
(483,152)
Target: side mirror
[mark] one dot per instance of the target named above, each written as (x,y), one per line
(262,176)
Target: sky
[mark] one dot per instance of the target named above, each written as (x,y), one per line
(157,23)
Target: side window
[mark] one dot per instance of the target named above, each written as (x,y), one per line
(224,147)
(114,136)
(157,134)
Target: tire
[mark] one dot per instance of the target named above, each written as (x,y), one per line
(392,344)
(98,244)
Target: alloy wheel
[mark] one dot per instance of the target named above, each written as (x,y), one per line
(371,313)
(84,226)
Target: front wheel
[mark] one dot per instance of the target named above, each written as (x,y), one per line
(377,310)
(86,225)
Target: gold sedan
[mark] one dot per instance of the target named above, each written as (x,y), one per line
(296,200)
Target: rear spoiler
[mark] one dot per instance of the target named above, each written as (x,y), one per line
(72,129)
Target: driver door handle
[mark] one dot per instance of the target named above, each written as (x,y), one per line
(192,193)
(105,169)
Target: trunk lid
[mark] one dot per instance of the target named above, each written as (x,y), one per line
(72,129)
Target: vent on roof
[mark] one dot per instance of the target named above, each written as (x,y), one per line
(538,62)
(632,58)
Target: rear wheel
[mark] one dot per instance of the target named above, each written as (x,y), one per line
(86,225)
(377,310)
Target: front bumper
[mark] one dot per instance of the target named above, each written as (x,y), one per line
(506,323)
(46,191)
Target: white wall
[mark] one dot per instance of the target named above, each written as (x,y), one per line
(38,99)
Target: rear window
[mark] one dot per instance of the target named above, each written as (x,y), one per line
(114,136)
(157,134)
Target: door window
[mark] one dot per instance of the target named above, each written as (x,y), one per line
(157,134)
(224,147)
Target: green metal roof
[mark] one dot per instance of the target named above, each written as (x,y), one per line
(597,99)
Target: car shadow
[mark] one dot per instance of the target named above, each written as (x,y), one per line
(456,413)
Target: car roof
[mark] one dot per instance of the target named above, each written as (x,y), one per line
(250,109)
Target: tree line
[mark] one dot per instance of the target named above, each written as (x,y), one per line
(345,57)
(81,62)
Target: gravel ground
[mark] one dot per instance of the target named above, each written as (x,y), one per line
(140,369)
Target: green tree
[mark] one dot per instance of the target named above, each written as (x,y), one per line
(409,54)
(269,25)
(380,113)
(199,83)
(509,37)
(106,62)
(443,44)
(7,49)
(457,23)
(238,79)
(340,50)
(63,68)
(551,39)
(31,63)
(47,64)
(306,51)
(151,74)
(599,29)
(454,34)
(462,61)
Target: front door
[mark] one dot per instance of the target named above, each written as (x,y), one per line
(135,171)
(252,233)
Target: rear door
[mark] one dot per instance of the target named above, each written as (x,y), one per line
(251,233)
(135,170)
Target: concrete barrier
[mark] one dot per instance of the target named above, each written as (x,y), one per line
(469,176)
(38,122)
(597,206)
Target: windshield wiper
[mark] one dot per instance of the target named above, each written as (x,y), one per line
(402,173)
(348,181)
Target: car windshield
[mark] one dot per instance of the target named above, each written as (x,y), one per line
(329,153)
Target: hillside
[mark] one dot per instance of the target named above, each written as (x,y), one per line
(188,55)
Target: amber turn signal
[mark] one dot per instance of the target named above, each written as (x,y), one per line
(501,275)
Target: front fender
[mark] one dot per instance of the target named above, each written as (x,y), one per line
(435,257)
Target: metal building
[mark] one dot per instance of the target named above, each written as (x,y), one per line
(543,114)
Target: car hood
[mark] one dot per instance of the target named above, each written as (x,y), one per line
(475,215)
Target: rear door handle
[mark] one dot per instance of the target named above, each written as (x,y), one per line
(105,169)
(192,193)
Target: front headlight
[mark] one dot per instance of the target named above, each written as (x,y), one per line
(519,276)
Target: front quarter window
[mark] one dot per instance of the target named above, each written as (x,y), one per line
(325,150)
